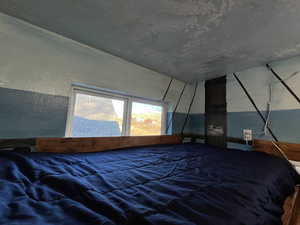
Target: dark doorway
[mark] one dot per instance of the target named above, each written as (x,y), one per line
(215,112)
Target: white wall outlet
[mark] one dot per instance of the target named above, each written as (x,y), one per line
(247,134)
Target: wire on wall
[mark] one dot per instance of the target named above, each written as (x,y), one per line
(175,109)
(254,105)
(189,109)
(269,103)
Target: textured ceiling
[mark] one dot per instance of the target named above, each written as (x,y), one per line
(187,39)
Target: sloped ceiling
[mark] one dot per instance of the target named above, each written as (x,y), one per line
(186,39)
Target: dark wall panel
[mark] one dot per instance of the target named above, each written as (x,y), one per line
(26,114)
(216,112)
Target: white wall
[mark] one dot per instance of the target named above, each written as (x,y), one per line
(33,59)
(257,81)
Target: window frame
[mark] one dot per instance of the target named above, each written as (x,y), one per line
(128,100)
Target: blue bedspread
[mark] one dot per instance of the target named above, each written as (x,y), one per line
(173,184)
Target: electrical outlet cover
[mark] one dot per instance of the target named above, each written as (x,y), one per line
(247,134)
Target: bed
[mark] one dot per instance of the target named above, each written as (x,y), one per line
(165,183)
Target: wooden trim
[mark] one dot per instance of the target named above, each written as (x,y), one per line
(13,143)
(291,208)
(73,145)
(6,143)
(291,150)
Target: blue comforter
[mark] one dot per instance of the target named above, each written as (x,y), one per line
(171,184)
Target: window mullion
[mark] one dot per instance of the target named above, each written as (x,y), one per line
(70,116)
(125,116)
(128,118)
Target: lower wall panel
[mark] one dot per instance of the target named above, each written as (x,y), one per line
(284,124)
(175,126)
(195,123)
(26,114)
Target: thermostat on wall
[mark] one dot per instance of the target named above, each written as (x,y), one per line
(247,134)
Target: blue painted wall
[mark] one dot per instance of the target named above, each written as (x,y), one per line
(284,124)
(176,125)
(197,123)
(194,125)
(25,114)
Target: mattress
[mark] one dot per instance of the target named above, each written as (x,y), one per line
(169,184)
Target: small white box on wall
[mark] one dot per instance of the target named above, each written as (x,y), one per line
(247,134)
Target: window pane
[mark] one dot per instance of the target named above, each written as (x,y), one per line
(96,116)
(145,119)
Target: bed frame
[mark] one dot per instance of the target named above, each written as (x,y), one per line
(291,206)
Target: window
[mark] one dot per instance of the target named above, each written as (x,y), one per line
(146,119)
(104,114)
